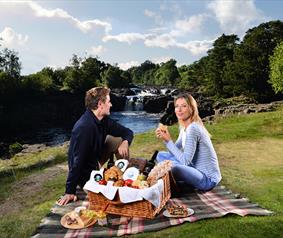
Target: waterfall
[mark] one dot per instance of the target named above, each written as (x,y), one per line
(134,103)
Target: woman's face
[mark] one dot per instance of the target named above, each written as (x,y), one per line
(182,109)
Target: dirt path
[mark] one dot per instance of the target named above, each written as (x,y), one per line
(29,186)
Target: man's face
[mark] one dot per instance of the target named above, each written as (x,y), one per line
(105,106)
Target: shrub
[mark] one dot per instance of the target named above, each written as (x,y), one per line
(15,148)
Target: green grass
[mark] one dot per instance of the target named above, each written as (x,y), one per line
(250,149)
(250,126)
(28,162)
(24,222)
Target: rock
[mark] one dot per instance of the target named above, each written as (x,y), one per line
(155,104)
(169,117)
(118,102)
(28,149)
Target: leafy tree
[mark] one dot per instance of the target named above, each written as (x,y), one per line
(8,86)
(143,74)
(83,74)
(193,76)
(91,69)
(126,78)
(114,79)
(221,53)
(252,59)
(9,63)
(57,76)
(276,69)
(167,74)
(37,83)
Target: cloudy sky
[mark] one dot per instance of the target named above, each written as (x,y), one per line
(48,33)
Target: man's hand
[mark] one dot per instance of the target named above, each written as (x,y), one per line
(66,199)
(124,149)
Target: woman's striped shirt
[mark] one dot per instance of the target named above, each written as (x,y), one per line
(194,148)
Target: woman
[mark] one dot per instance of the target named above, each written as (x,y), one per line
(194,159)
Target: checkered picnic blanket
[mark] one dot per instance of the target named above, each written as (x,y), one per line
(215,203)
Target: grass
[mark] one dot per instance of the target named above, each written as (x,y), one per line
(44,158)
(24,222)
(249,148)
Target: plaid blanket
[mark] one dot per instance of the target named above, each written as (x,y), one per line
(216,203)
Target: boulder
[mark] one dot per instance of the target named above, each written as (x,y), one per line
(155,104)
(118,102)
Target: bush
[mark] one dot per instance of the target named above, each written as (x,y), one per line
(15,148)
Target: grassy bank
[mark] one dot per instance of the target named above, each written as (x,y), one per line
(250,149)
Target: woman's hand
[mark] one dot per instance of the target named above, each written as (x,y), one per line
(163,134)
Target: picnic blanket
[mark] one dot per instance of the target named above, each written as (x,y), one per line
(215,203)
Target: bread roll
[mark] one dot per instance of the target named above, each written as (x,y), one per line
(162,127)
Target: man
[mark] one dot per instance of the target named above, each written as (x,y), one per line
(88,150)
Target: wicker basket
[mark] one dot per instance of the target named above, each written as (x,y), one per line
(135,209)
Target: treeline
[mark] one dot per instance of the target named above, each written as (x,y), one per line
(252,67)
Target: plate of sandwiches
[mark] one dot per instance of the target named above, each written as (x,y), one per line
(175,210)
(78,219)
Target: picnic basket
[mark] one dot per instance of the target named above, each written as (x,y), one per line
(134,209)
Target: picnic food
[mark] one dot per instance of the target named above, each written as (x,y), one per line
(113,174)
(162,127)
(119,183)
(73,220)
(159,171)
(102,182)
(177,210)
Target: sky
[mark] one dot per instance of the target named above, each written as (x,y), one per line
(124,32)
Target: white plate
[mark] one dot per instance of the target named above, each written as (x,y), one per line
(167,214)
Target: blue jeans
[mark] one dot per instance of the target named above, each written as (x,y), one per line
(187,174)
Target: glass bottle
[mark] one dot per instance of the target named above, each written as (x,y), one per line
(110,161)
(150,164)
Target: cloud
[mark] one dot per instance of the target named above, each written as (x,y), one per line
(125,37)
(157,18)
(11,38)
(196,47)
(96,50)
(84,26)
(163,41)
(235,16)
(189,25)
(128,65)
(159,60)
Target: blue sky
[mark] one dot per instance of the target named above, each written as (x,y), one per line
(48,33)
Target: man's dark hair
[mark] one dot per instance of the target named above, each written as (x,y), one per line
(94,95)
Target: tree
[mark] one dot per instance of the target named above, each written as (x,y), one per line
(167,74)
(8,86)
(276,69)
(114,79)
(91,69)
(218,57)
(9,63)
(143,74)
(193,76)
(252,59)
(37,83)
(57,76)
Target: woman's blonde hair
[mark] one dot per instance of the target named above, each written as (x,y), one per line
(194,117)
